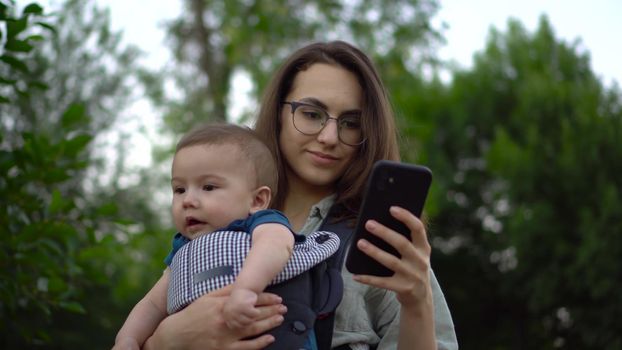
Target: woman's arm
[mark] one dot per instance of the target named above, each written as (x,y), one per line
(411,281)
(201,325)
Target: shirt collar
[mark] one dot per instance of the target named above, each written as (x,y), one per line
(321,208)
(317,214)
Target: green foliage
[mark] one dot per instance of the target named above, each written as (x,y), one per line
(212,40)
(524,213)
(526,155)
(82,62)
(67,249)
(17,42)
(44,232)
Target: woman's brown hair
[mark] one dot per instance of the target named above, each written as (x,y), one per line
(377,119)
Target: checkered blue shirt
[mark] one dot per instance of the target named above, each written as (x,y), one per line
(213,260)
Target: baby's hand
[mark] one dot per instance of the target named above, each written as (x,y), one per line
(239,310)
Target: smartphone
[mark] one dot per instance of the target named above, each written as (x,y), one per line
(390,184)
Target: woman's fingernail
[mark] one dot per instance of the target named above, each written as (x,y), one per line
(363,243)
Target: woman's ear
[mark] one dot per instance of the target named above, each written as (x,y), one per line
(261,199)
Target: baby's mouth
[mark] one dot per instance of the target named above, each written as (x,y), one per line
(190,221)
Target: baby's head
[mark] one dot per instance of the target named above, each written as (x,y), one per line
(220,173)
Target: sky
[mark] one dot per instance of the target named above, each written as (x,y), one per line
(597,23)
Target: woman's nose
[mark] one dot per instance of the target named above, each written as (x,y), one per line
(329,133)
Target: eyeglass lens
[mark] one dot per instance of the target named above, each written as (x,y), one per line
(311,120)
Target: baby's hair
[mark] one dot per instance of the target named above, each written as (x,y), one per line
(252,148)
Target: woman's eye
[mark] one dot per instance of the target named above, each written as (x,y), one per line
(350,123)
(312,114)
(209,188)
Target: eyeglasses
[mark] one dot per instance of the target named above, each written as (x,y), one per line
(310,120)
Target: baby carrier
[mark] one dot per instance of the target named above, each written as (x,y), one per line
(312,297)
(310,294)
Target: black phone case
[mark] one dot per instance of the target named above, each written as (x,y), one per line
(391,183)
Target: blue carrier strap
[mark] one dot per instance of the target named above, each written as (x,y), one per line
(315,292)
(312,297)
(298,321)
(326,320)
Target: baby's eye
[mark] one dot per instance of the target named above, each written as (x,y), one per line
(209,188)
(179,190)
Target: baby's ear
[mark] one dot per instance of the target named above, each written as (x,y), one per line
(261,199)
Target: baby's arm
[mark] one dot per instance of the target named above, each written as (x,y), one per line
(271,248)
(145,316)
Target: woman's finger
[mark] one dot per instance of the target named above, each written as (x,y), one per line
(253,344)
(376,281)
(403,244)
(269,311)
(386,259)
(418,234)
(261,326)
(268,299)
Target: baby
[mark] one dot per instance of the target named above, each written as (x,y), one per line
(223,178)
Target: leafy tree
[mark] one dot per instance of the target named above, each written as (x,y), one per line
(526,218)
(212,40)
(42,229)
(82,62)
(66,241)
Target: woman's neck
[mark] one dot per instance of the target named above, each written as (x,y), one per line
(299,200)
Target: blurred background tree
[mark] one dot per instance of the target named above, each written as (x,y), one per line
(213,40)
(526,208)
(67,276)
(524,213)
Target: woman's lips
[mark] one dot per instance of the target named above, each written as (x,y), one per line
(322,159)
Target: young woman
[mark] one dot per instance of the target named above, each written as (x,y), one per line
(327,118)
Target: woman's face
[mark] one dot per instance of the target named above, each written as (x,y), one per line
(319,160)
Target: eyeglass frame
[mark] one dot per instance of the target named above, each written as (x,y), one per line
(295,104)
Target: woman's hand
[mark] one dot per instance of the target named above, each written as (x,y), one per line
(201,325)
(411,280)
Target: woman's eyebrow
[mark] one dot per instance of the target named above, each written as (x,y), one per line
(316,102)
(313,101)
